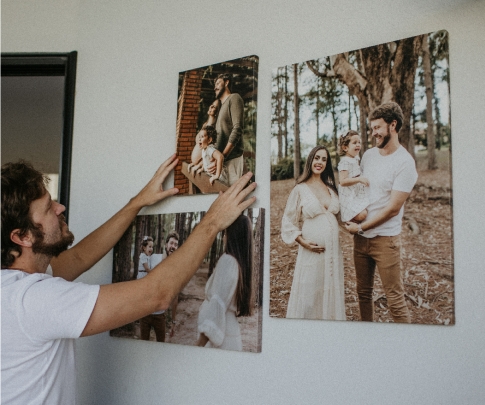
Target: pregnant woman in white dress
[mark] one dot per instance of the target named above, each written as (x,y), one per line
(228,290)
(309,219)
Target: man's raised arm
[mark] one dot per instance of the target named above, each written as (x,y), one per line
(81,257)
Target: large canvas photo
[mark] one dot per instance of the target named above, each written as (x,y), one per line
(361,189)
(216,125)
(221,306)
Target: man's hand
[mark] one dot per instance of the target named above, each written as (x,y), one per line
(364,181)
(153,192)
(212,168)
(82,256)
(231,203)
(352,227)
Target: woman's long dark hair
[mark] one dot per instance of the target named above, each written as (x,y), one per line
(327,175)
(239,244)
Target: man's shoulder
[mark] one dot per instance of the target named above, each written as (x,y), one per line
(235,98)
(404,154)
(11,276)
(369,154)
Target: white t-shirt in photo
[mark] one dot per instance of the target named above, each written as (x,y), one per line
(396,171)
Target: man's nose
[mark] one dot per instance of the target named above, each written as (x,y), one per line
(60,209)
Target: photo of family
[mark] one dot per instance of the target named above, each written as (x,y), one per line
(216,125)
(221,306)
(361,192)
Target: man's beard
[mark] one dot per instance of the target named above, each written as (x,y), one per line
(51,249)
(219,93)
(385,139)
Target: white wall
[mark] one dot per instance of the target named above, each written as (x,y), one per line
(129,56)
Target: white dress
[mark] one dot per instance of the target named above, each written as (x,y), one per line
(317,291)
(353,199)
(217,314)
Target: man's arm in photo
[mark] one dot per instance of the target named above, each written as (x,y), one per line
(237,115)
(398,198)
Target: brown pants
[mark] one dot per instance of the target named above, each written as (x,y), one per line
(157,321)
(385,252)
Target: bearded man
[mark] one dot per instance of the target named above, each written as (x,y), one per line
(391,172)
(42,314)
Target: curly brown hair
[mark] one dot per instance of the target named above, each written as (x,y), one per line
(344,140)
(389,112)
(21,184)
(172,234)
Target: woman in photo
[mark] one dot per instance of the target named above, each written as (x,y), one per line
(228,290)
(211,120)
(309,219)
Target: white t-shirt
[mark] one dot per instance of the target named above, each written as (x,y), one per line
(396,171)
(141,269)
(41,316)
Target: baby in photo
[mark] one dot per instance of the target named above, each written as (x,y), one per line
(210,155)
(352,186)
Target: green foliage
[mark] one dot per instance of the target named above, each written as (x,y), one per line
(284,169)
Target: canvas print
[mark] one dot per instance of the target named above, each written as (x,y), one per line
(221,306)
(361,191)
(216,125)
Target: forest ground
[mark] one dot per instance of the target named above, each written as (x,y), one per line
(427,257)
(190,300)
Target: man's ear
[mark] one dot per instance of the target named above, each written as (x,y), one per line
(393,124)
(24,241)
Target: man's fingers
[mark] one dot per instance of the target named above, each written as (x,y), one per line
(169,193)
(246,203)
(168,168)
(236,188)
(246,191)
(169,161)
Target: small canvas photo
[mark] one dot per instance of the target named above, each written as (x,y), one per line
(361,190)
(221,306)
(216,125)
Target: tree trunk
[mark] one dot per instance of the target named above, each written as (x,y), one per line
(403,79)
(160,241)
(333,112)
(285,110)
(297,154)
(250,215)
(139,234)
(363,131)
(213,257)
(279,115)
(258,264)
(428,83)
(180,226)
(317,115)
(122,260)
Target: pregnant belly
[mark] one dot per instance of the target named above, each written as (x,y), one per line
(318,229)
